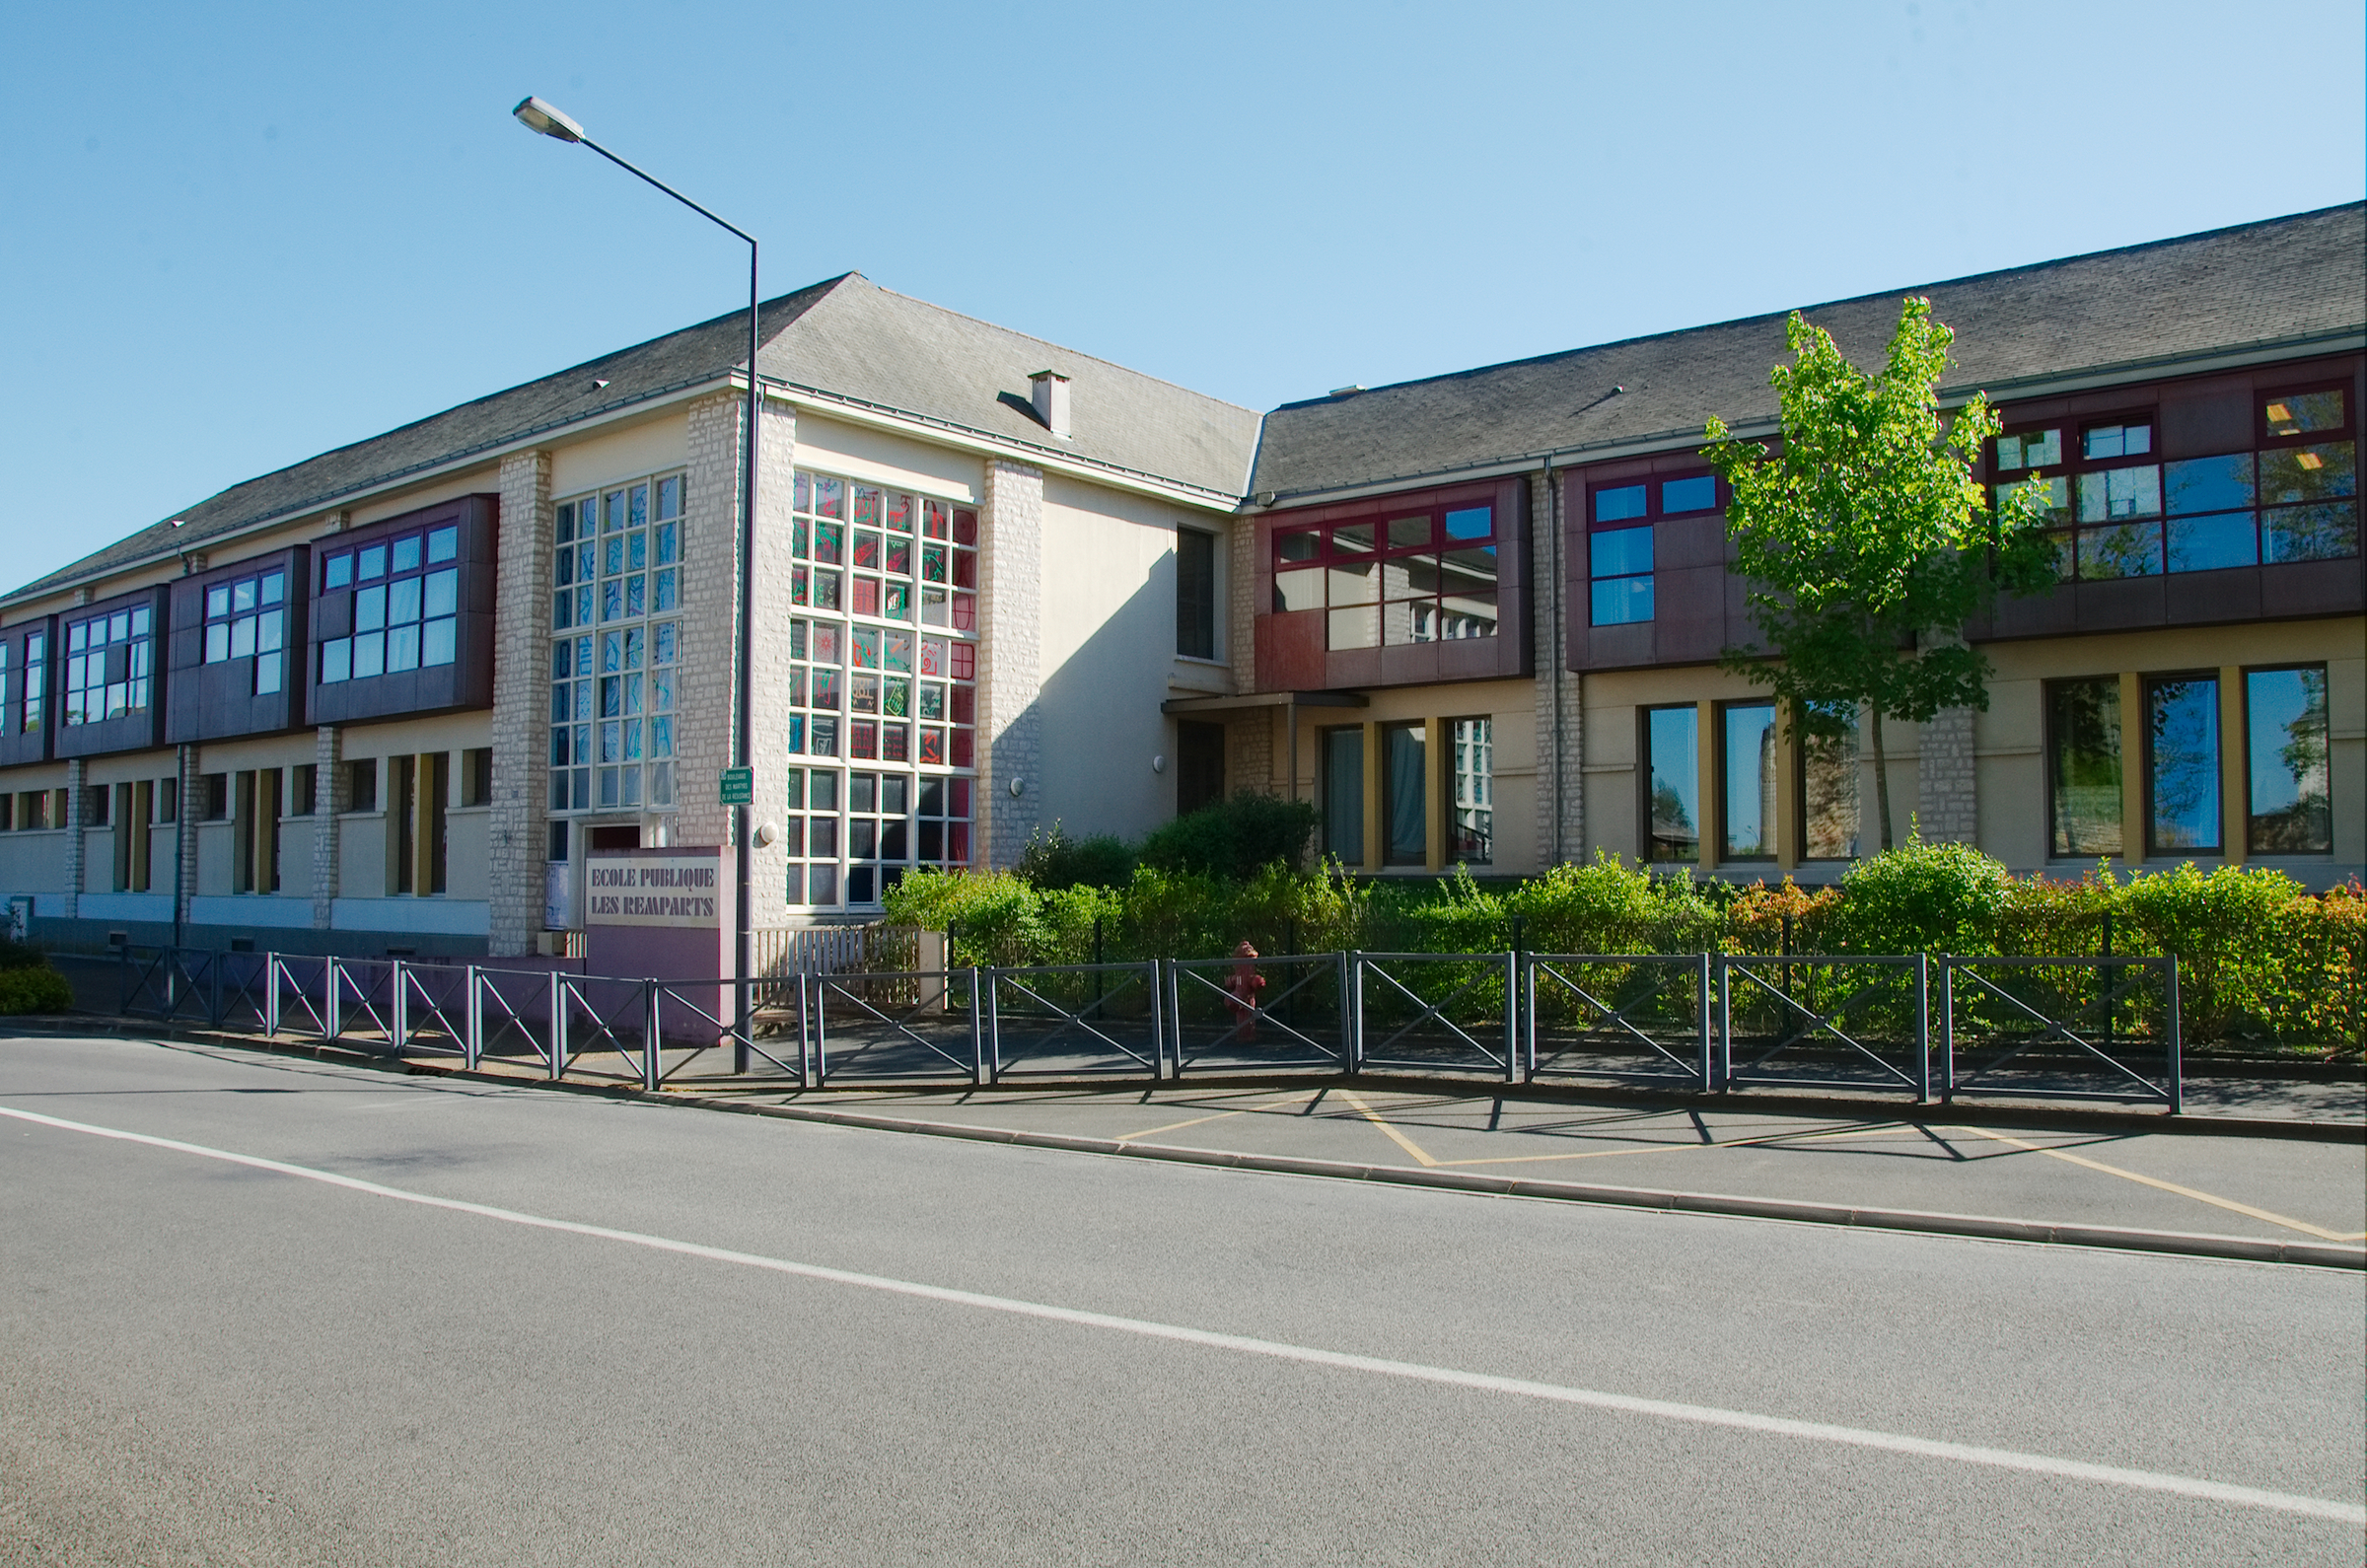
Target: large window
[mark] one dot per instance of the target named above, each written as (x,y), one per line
(1343,793)
(248,618)
(405,602)
(1747,781)
(110,665)
(1672,784)
(2083,767)
(1421,576)
(2290,811)
(1471,823)
(37,669)
(1620,552)
(1405,798)
(2117,513)
(616,646)
(1195,594)
(2182,764)
(1829,770)
(882,673)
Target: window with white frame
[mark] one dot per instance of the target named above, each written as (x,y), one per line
(616,647)
(881,700)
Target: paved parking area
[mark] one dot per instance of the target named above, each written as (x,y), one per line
(2266,1187)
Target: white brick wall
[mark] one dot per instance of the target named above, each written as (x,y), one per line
(705,687)
(77,773)
(1010,680)
(518,833)
(1563,763)
(769,663)
(328,799)
(1947,802)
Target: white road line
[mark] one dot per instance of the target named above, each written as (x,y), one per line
(1485,1382)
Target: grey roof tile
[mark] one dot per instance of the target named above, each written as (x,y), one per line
(2286,278)
(846,335)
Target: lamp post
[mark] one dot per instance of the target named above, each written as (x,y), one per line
(544,119)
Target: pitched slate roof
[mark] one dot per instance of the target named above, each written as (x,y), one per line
(845,336)
(2286,279)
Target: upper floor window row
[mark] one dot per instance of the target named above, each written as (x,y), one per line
(406,603)
(882,554)
(2293,499)
(248,618)
(619,554)
(110,665)
(1619,551)
(1427,575)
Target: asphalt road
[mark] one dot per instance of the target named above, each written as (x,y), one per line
(483,1325)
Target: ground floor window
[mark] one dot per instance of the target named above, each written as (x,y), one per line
(1673,784)
(1472,829)
(2083,767)
(1343,793)
(1404,763)
(851,836)
(2290,811)
(2182,764)
(1747,781)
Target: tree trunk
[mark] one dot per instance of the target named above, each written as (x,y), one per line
(1882,776)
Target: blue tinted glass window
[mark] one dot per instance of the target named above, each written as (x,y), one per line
(2207,543)
(1612,506)
(1696,494)
(1622,601)
(1472,523)
(1619,552)
(2208,484)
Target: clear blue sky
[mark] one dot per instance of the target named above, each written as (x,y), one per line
(235,235)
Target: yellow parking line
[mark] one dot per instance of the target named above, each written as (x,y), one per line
(1678,1147)
(1374,1116)
(1178,1126)
(2230,1204)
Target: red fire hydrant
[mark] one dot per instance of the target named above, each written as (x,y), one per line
(1241,992)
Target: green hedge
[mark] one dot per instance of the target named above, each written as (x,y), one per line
(2260,958)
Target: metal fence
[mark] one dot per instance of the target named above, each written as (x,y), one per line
(1923,1027)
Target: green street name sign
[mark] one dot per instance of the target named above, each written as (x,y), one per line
(739,786)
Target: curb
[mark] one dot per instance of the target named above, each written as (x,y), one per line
(2240,1249)
(2184,1243)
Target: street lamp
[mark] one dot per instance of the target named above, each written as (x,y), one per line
(547,120)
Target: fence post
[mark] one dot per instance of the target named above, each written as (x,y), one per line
(1512,1016)
(1339,975)
(558,1026)
(1702,998)
(332,1004)
(805,1035)
(1355,1029)
(820,984)
(1725,1051)
(473,1021)
(1922,1028)
(213,970)
(2177,1082)
(1947,1029)
(1528,1015)
(271,996)
(651,1037)
(1157,1024)
(995,1025)
(1174,1013)
(977,1034)
(402,1007)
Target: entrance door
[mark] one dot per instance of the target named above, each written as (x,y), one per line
(1199,765)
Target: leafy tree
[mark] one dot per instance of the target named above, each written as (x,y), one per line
(1868,541)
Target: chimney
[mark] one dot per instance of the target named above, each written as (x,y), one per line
(1050,389)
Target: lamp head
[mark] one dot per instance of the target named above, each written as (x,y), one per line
(546,120)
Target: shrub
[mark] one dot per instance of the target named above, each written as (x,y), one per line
(1921,897)
(995,917)
(1236,837)
(24,988)
(2233,930)
(20,955)
(1053,860)
(1609,907)
(1790,917)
